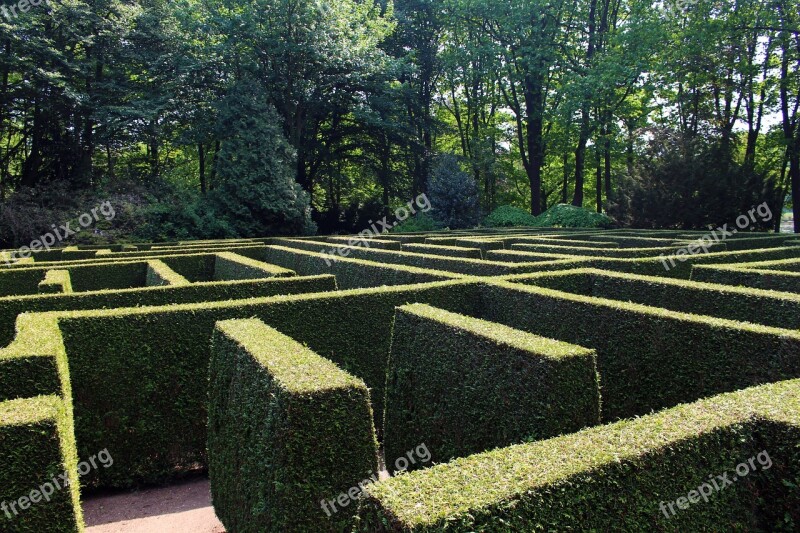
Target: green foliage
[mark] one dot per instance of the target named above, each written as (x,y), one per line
(462,385)
(56,281)
(569,216)
(507,216)
(730,302)
(230,267)
(770,280)
(454,265)
(38,445)
(615,477)
(166,385)
(257,194)
(307,428)
(650,358)
(453,194)
(419,223)
(353,273)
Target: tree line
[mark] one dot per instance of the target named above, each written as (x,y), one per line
(673,113)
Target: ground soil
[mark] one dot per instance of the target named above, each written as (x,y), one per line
(181,508)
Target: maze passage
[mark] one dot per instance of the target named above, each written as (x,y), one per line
(557,379)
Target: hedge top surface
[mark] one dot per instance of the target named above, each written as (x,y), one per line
(258,265)
(174,288)
(429,496)
(29,410)
(388,254)
(644,309)
(298,369)
(367,262)
(727,267)
(675,282)
(38,335)
(499,333)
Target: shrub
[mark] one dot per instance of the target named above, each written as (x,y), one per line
(419,223)
(229,267)
(462,385)
(569,216)
(287,429)
(650,358)
(256,193)
(453,194)
(37,446)
(56,282)
(507,216)
(618,477)
(166,384)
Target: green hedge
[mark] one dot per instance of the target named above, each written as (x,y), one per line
(471,267)
(160,275)
(619,477)
(784,265)
(447,251)
(780,310)
(661,266)
(12,307)
(37,445)
(461,385)
(650,358)
(34,364)
(56,282)
(287,429)
(378,244)
(125,402)
(231,267)
(352,273)
(511,241)
(771,280)
(555,248)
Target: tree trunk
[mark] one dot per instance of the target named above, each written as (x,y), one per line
(201,154)
(534,101)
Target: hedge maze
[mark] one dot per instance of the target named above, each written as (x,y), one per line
(558,380)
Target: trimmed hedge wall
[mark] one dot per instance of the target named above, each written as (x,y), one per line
(34,364)
(447,251)
(56,282)
(650,358)
(619,477)
(561,241)
(462,385)
(771,280)
(352,273)
(37,446)
(126,402)
(472,267)
(379,244)
(231,267)
(287,429)
(12,307)
(661,266)
(160,275)
(555,248)
(785,265)
(780,310)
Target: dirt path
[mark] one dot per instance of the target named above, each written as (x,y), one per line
(182,508)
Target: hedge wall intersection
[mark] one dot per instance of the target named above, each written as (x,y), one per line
(494,350)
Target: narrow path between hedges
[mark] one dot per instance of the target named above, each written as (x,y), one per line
(181,508)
